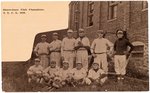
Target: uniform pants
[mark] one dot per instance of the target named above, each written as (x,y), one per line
(69,56)
(44,61)
(120,64)
(56,56)
(82,56)
(101,59)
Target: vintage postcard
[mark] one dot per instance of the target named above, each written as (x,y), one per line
(74,46)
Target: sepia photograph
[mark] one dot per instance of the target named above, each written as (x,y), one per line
(75,46)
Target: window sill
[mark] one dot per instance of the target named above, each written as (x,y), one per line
(146,9)
(89,26)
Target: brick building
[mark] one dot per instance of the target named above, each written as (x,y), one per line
(131,16)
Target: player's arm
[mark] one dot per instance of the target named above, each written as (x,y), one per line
(36,49)
(58,48)
(87,46)
(131,46)
(62,49)
(92,48)
(102,74)
(110,45)
(29,71)
(77,46)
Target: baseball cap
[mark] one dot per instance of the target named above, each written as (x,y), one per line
(78,63)
(81,30)
(120,32)
(70,31)
(37,60)
(101,31)
(56,34)
(65,62)
(95,63)
(43,35)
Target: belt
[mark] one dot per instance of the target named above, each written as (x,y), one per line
(55,51)
(100,53)
(81,49)
(43,54)
(69,50)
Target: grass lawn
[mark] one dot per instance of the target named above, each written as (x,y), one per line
(14,79)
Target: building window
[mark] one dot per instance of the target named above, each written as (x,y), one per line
(144,5)
(112,10)
(90,13)
(138,51)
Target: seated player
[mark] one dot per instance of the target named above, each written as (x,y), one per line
(50,73)
(96,75)
(35,71)
(78,74)
(65,73)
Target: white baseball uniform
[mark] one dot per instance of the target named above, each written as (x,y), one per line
(79,74)
(82,53)
(64,74)
(99,47)
(51,72)
(67,50)
(95,75)
(42,49)
(55,48)
(33,70)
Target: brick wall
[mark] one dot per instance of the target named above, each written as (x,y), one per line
(130,17)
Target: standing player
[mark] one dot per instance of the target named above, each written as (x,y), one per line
(67,48)
(42,51)
(121,53)
(82,47)
(99,49)
(55,48)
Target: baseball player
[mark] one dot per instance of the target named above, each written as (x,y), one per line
(65,73)
(79,73)
(55,48)
(51,72)
(95,75)
(67,48)
(99,50)
(121,54)
(42,50)
(82,46)
(35,71)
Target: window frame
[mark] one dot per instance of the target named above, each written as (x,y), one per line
(111,10)
(90,13)
(144,8)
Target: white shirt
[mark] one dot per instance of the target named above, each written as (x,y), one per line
(100,45)
(67,44)
(79,74)
(55,45)
(52,71)
(35,69)
(64,73)
(95,75)
(42,48)
(85,41)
